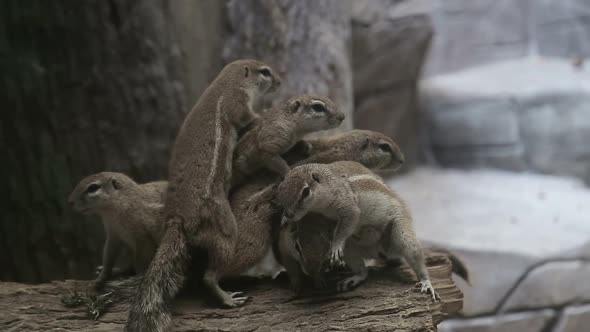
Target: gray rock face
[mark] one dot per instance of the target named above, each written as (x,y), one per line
(574,319)
(521,322)
(509,115)
(551,284)
(390,41)
(562,28)
(475,32)
(492,276)
(503,226)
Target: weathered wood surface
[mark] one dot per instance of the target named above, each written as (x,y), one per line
(386,302)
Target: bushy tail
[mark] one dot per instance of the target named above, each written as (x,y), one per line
(160,284)
(124,290)
(459,268)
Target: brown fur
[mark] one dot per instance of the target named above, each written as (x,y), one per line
(370,148)
(371,218)
(197,211)
(277,130)
(256,213)
(131,214)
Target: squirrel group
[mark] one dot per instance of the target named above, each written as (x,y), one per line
(248,194)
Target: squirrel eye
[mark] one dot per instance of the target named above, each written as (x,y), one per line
(385,147)
(319,108)
(264,72)
(306,191)
(92,188)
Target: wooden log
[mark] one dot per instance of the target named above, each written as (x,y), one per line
(388,301)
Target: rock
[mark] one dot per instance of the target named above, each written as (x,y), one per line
(551,284)
(502,225)
(522,322)
(574,319)
(472,33)
(508,115)
(561,28)
(492,276)
(389,45)
(476,32)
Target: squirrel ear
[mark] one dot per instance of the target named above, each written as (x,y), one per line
(116,184)
(366,143)
(315,177)
(294,106)
(246,71)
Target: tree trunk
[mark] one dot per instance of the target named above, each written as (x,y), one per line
(386,302)
(88,86)
(307,41)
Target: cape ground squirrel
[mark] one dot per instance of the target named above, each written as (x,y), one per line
(268,213)
(197,211)
(259,218)
(131,214)
(252,204)
(370,219)
(371,148)
(276,131)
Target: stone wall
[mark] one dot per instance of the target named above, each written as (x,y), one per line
(523,114)
(475,32)
(506,86)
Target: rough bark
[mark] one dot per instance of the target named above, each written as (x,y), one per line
(386,302)
(87,86)
(307,41)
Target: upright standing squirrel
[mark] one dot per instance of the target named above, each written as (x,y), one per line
(130,213)
(197,211)
(371,219)
(252,204)
(276,131)
(371,148)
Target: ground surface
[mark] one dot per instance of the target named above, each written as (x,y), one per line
(387,302)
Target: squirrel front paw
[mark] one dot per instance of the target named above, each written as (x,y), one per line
(426,288)
(335,261)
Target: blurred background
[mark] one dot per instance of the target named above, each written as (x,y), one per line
(488,99)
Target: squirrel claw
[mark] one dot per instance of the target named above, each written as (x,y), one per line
(335,261)
(234,300)
(426,288)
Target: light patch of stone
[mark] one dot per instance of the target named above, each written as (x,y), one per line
(501,224)
(551,284)
(492,276)
(532,321)
(509,115)
(574,319)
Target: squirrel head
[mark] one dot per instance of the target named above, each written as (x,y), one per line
(256,77)
(377,151)
(312,113)
(295,193)
(98,191)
